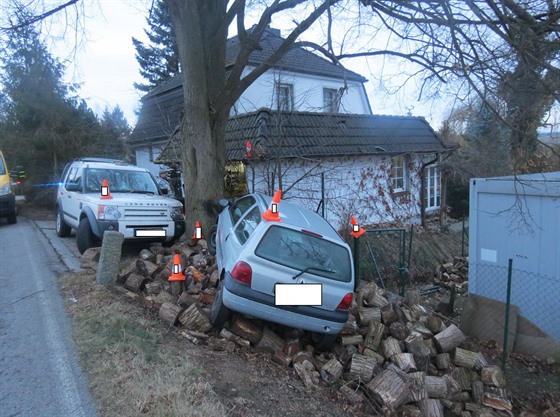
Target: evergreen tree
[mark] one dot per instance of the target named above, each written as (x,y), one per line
(115,131)
(159,59)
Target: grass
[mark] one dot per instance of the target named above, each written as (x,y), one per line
(131,370)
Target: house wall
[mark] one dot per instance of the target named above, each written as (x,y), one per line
(358,186)
(308,93)
(144,157)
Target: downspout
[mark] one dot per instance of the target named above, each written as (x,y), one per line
(423,189)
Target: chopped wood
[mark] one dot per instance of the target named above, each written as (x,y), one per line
(421,354)
(186,300)
(194,274)
(354,339)
(373,354)
(195,319)
(492,375)
(270,341)
(304,374)
(221,345)
(497,398)
(214,278)
(436,386)
(152,288)
(391,313)
(454,407)
(292,347)
(126,293)
(354,397)
(367,315)
(389,389)
(443,360)
(303,356)
(206,297)
(418,310)
(177,287)
(147,269)
(412,297)
(374,335)
(377,300)
(468,359)
(331,371)
(391,347)
(361,368)
(409,411)
(169,312)
(463,377)
(418,390)
(404,361)
(126,271)
(449,339)
(466,414)
(398,330)
(281,358)
(135,282)
(477,391)
(247,330)
(430,407)
(435,324)
(453,387)
(165,297)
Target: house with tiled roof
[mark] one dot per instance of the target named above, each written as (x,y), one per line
(309,127)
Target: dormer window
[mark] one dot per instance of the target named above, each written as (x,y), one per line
(331,100)
(285,96)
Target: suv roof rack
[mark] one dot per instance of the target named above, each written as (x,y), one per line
(108,160)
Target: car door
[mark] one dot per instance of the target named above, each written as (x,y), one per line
(70,200)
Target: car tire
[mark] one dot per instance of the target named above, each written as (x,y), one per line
(62,229)
(219,313)
(85,238)
(12,217)
(212,236)
(323,342)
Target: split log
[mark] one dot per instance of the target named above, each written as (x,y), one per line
(169,312)
(221,345)
(392,313)
(362,368)
(435,324)
(165,297)
(367,315)
(376,300)
(477,391)
(454,407)
(449,339)
(355,398)
(418,390)
(414,336)
(331,371)
(468,359)
(247,330)
(453,387)
(398,330)
(303,356)
(195,274)
(152,288)
(497,398)
(135,282)
(292,347)
(404,361)
(421,354)
(304,374)
(418,310)
(492,375)
(281,358)
(373,354)
(463,377)
(389,389)
(186,300)
(374,335)
(431,408)
(226,334)
(195,319)
(354,339)
(409,411)
(443,360)
(466,414)
(412,297)
(147,269)
(436,386)
(126,271)
(270,341)
(391,347)
(177,287)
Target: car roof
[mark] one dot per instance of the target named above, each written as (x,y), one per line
(300,217)
(110,165)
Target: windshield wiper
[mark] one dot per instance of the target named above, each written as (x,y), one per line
(141,192)
(309,268)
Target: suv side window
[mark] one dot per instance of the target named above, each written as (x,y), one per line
(239,208)
(70,178)
(248,224)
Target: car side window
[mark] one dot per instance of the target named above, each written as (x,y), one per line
(70,178)
(239,208)
(248,224)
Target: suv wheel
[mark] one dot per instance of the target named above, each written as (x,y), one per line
(12,217)
(85,238)
(323,342)
(219,313)
(62,229)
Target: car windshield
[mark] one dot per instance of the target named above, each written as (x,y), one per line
(300,250)
(120,181)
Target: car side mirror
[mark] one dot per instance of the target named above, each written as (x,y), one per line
(73,186)
(224,203)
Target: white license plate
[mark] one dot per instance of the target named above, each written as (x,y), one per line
(149,233)
(298,294)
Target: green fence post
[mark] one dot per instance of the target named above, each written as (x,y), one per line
(506,324)
(356,262)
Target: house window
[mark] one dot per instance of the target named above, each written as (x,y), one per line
(399,173)
(432,192)
(331,100)
(285,96)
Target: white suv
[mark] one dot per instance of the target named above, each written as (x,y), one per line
(132,205)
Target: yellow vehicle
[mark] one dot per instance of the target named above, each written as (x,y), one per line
(7,197)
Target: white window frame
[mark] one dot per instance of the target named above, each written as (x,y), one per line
(399,173)
(432,187)
(284,96)
(331,100)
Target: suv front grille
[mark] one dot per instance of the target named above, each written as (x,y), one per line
(131,213)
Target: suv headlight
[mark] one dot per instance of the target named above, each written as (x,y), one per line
(177,213)
(5,190)
(108,213)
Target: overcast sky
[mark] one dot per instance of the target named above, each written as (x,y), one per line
(106,67)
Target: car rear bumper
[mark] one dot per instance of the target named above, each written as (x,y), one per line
(243,299)
(7,204)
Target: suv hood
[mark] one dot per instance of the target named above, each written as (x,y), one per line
(140,200)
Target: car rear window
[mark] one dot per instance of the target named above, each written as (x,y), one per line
(300,250)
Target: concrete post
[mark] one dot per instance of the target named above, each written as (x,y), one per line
(108,267)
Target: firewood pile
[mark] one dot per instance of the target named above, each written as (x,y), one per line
(394,357)
(454,275)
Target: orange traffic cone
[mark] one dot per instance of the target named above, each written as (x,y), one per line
(177,272)
(105,194)
(272,214)
(357,231)
(197,234)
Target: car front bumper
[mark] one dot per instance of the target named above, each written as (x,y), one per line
(241,298)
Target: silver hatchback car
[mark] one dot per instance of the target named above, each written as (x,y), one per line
(290,267)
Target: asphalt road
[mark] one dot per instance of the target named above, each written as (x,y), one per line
(39,372)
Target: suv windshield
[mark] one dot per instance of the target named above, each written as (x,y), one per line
(120,181)
(300,250)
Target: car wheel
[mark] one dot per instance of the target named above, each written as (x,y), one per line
(219,313)
(212,239)
(85,238)
(12,217)
(323,341)
(62,229)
